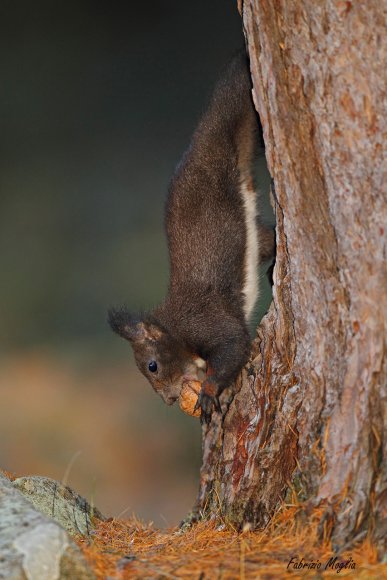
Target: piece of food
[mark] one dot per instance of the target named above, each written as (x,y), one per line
(189,396)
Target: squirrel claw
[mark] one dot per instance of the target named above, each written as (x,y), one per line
(197,404)
(207,403)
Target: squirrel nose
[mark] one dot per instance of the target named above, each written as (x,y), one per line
(170,400)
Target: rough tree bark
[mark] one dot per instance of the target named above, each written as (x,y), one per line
(310,409)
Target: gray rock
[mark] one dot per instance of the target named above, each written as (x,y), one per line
(60,503)
(32,546)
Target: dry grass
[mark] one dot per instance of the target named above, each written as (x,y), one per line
(129,549)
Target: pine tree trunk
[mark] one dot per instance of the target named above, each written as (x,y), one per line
(310,408)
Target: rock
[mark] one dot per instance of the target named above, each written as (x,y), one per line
(33,547)
(60,503)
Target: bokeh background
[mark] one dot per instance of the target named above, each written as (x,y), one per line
(97,103)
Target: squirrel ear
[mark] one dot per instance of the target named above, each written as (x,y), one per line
(133,327)
(126,325)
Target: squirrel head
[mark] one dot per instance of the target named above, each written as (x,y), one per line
(160,358)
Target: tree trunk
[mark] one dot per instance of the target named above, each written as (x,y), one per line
(310,408)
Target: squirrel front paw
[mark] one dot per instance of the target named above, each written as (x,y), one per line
(208,400)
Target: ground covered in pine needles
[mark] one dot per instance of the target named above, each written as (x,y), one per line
(129,549)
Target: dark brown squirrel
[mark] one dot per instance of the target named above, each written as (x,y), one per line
(215,243)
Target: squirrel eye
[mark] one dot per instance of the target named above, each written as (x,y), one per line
(152,366)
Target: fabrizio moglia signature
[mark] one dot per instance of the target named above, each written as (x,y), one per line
(333,563)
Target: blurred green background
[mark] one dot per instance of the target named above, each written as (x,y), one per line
(98,101)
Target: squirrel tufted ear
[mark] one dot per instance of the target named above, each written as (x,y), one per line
(126,324)
(135,328)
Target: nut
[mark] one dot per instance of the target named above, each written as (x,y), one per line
(188,398)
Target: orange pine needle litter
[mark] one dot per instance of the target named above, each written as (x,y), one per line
(130,549)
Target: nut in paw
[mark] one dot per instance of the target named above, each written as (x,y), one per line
(188,398)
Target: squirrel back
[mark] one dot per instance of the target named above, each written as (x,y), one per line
(211,246)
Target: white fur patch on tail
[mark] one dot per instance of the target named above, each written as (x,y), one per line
(250,288)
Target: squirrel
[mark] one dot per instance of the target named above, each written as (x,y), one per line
(215,243)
